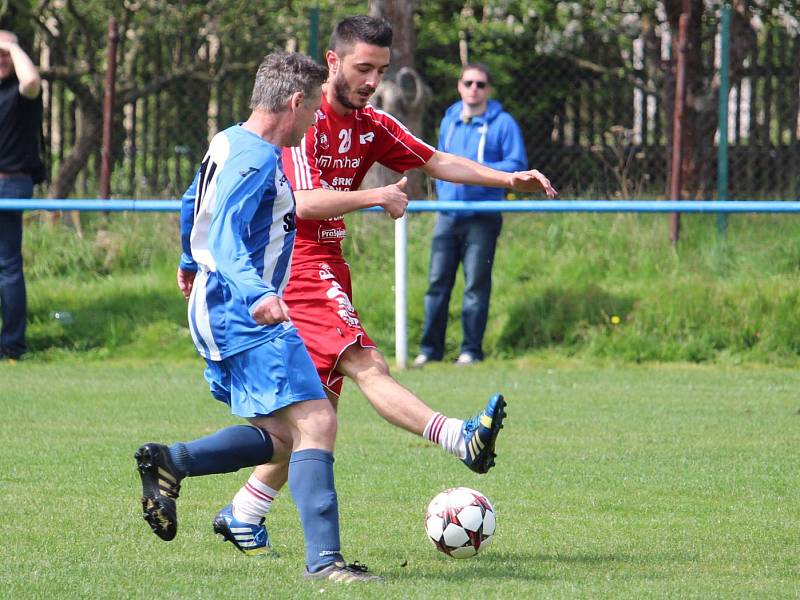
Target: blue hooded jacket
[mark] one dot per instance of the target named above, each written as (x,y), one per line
(492,139)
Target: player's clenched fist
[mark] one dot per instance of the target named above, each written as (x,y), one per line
(532,181)
(271,310)
(185,282)
(394,199)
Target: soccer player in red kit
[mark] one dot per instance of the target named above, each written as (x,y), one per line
(349,136)
(325,171)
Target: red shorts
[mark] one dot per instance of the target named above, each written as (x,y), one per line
(319,298)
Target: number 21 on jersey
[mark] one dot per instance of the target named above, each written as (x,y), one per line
(346,137)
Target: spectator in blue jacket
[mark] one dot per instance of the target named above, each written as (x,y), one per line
(477,128)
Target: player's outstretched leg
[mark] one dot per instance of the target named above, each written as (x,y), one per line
(161,484)
(480,433)
(250,539)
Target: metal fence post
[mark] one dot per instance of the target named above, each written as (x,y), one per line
(724,86)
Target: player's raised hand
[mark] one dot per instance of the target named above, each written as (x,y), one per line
(185,282)
(532,181)
(271,310)
(393,198)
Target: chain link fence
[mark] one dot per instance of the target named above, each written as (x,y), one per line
(594,103)
(596,111)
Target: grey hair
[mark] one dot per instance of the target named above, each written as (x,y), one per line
(282,74)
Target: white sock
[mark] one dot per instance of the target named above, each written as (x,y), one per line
(447,433)
(253,501)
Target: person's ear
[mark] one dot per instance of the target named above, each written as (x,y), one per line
(333,61)
(296,101)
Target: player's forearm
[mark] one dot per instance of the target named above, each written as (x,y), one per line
(457,169)
(326,204)
(508,165)
(186,230)
(187,222)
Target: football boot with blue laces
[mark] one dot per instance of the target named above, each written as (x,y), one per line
(246,537)
(480,433)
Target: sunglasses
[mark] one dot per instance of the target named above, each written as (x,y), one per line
(469,83)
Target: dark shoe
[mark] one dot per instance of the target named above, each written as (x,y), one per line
(480,433)
(245,537)
(161,485)
(343,573)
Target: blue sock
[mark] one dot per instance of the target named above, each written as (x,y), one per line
(311,482)
(225,451)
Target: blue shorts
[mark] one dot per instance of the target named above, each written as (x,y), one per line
(258,381)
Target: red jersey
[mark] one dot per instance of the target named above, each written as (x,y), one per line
(336,153)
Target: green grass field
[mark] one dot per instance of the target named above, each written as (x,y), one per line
(612,481)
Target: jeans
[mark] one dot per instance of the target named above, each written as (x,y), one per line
(13,300)
(471,242)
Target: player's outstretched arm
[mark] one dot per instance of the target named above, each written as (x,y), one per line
(325,203)
(458,169)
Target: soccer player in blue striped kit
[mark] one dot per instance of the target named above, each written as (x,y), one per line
(241,236)
(320,303)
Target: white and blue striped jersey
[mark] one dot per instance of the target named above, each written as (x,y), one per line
(237,232)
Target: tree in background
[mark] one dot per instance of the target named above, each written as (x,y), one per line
(184,70)
(569,71)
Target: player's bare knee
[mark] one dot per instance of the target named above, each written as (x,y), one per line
(319,424)
(364,364)
(325,424)
(280,433)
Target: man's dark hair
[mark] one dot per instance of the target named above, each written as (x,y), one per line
(477,66)
(361,28)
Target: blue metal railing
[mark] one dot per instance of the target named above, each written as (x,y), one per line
(637,206)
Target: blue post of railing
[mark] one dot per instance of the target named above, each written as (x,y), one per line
(724,86)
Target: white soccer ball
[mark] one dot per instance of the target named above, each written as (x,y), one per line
(460,521)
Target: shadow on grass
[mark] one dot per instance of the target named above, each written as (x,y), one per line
(521,566)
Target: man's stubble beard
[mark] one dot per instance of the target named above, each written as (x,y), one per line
(341,90)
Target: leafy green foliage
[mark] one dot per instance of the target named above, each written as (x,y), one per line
(559,317)
(115,282)
(609,286)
